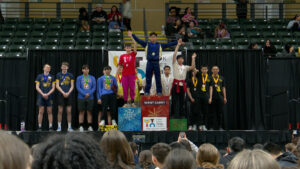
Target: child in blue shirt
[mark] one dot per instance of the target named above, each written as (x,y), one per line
(86,86)
(45,86)
(107,88)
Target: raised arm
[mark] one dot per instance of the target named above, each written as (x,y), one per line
(176,50)
(134,42)
(141,42)
(166,45)
(193,61)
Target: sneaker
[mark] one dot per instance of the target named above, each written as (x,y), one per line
(81,129)
(58,129)
(200,128)
(70,129)
(133,105)
(102,123)
(126,105)
(204,128)
(114,123)
(190,128)
(194,127)
(90,128)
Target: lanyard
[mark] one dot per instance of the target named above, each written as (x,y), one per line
(107,80)
(86,79)
(63,76)
(216,80)
(45,78)
(194,82)
(118,78)
(204,79)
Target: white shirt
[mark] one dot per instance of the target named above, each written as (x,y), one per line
(127,10)
(166,83)
(180,71)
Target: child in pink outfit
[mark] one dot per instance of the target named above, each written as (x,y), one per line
(128,73)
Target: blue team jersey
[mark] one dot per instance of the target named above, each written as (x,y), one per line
(83,88)
(45,82)
(64,80)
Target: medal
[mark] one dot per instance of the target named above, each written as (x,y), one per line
(195,89)
(126,65)
(86,85)
(62,83)
(86,81)
(218,89)
(216,81)
(153,53)
(45,84)
(203,88)
(107,82)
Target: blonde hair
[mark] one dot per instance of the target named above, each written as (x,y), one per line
(208,156)
(254,159)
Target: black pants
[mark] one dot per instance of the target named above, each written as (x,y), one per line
(127,23)
(217,112)
(109,101)
(199,111)
(178,102)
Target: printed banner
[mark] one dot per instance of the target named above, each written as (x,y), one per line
(155,106)
(129,119)
(141,62)
(155,124)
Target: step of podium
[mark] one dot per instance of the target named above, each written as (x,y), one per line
(177,124)
(108,127)
(129,118)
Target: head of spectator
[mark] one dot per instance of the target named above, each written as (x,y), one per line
(208,157)
(269,49)
(296,140)
(186,144)
(172,11)
(258,146)
(14,154)
(236,145)
(253,46)
(254,159)
(296,17)
(114,10)
(188,10)
(117,149)
(289,48)
(145,159)
(153,37)
(73,150)
(116,19)
(134,148)
(83,14)
(159,153)
(99,7)
(192,25)
(178,22)
(273,149)
(221,31)
(290,147)
(180,159)
(181,30)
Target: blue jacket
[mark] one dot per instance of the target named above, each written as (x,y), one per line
(103,89)
(83,88)
(153,51)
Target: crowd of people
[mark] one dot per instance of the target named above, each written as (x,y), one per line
(116,20)
(113,151)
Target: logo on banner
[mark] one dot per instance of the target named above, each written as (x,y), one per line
(155,123)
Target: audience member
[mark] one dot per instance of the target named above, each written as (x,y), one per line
(159,153)
(294,24)
(134,148)
(83,20)
(14,154)
(253,46)
(181,34)
(241,9)
(99,15)
(126,12)
(145,160)
(258,146)
(235,145)
(180,159)
(1,17)
(117,149)
(253,159)
(73,150)
(221,31)
(172,16)
(173,29)
(115,25)
(269,49)
(188,17)
(286,159)
(288,51)
(208,157)
(193,31)
(114,11)
(290,147)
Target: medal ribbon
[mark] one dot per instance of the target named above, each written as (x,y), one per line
(107,80)
(86,79)
(63,76)
(216,80)
(204,79)
(45,78)
(194,82)
(118,78)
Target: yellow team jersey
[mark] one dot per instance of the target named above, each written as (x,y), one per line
(137,97)
(120,87)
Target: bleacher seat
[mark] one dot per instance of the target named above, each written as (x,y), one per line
(57,21)
(41,21)
(27,21)
(12,21)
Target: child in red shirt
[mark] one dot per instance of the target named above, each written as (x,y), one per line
(128,73)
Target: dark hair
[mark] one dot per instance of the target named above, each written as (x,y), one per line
(252,45)
(127,45)
(120,65)
(258,146)
(117,10)
(73,150)
(176,144)
(65,63)
(186,9)
(118,20)
(160,151)
(133,147)
(203,66)
(46,65)
(81,16)
(117,149)
(272,148)
(180,159)
(85,66)
(167,67)
(236,144)
(107,68)
(215,66)
(296,16)
(179,56)
(153,33)
(145,159)
(15,154)
(186,144)
(290,147)
(287,48)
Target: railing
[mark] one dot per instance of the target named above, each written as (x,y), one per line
(228,10)
(49,9)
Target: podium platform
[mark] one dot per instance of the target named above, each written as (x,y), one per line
(129,119)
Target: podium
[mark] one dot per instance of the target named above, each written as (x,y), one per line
(129,119)
(178,125)
(155,113)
